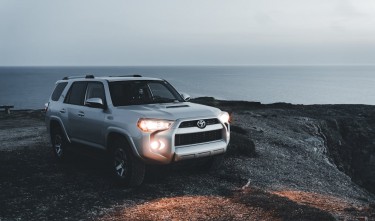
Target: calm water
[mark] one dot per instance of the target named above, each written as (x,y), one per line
(30,87)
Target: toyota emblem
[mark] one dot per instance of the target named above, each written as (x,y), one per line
(201,124)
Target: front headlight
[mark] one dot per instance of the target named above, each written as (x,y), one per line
(152,125)
(224,117)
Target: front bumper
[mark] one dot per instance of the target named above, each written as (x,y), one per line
(171,153)
(200,150)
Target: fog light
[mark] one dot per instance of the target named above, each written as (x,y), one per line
(157,145)
(154,145)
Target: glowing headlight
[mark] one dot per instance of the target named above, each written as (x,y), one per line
(224,117)
(151,125)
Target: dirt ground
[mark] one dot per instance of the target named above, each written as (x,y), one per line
(288,178)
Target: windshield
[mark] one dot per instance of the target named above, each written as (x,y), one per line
(125,93)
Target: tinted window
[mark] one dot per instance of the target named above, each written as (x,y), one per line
(76,93)
(142,92)
(95,90)
(159,91)
(58,90)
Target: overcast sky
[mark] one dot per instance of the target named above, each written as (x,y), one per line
(190,32)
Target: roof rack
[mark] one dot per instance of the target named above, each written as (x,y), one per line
(88,76)
(133,75)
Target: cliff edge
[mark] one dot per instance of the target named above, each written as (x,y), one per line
(284,162)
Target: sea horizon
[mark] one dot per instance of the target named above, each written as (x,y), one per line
(296,84)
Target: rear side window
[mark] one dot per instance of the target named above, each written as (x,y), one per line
(76,94)
(58,91)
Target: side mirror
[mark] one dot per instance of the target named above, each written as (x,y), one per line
(185,96)
(95,102)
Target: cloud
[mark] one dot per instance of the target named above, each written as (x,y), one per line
(83,32)
(347,9)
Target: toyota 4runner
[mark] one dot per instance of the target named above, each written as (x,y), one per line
(137,120)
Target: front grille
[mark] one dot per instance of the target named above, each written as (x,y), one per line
(200,137)
(193,123)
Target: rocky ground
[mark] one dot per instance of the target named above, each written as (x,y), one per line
(285,162)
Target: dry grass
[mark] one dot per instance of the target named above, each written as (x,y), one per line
(191,208)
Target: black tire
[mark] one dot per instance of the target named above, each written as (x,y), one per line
(59,144)
(126,168)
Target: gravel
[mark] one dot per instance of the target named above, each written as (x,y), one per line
(286,175)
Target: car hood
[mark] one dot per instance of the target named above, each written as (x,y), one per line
(172,111)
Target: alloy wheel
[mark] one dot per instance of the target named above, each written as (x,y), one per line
(58,145)
(120,163)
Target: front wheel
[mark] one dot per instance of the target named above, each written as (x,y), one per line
(127,169)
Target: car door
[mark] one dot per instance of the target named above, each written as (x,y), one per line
(74,107)
(93,122)
(86,124)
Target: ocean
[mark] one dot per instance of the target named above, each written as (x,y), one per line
(30,87)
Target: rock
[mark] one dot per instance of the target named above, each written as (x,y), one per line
(237,129)
(241,145)
(350,146)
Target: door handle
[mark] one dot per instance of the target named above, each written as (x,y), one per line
(62,111)
(81,114)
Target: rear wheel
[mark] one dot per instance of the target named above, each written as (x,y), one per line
(127,169)
(59,144)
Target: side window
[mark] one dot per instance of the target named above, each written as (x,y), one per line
(76,94)
(58,90)
(95,90)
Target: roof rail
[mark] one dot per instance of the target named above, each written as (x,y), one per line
(88,76)
(133,75)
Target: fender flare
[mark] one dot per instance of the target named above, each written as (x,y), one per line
(126,135)
(53,118)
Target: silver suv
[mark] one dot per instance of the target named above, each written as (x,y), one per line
(137,120)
